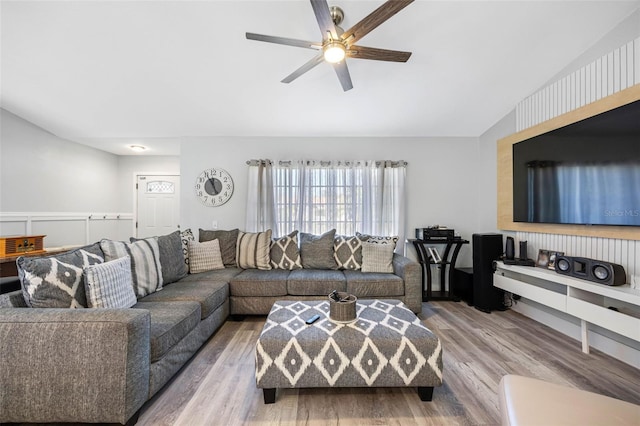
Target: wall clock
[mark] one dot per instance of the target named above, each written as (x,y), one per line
(214,187)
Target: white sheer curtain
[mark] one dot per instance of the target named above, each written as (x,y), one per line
(350,196)
(260,214)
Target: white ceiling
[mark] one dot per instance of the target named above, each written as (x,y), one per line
(112,73)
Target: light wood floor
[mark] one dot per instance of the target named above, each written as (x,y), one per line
(217,387)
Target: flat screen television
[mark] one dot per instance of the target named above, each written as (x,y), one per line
(584,173)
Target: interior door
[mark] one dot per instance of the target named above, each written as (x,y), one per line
(158,205)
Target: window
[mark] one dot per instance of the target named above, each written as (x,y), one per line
(317,196)
(318,199)
(160,187)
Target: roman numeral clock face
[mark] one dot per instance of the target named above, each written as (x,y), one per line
(214,187)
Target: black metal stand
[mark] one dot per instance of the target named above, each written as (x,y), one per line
(448,264)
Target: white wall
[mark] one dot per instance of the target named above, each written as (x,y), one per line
(440,175)
(42,172)
(487,181)
(72,193)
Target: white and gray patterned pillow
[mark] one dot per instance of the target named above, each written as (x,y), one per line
(348,251)
(205,256)
(109,284)
(252,250)
(56,281)
(146,271)
(377,257)
(284,252)
(316,251)
(185,237)
(374,239)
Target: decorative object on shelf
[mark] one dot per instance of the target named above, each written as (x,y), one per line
(338,44)
(214,187)
(434,255)
(543,258)
(17,245)
(591,270)
(553,255)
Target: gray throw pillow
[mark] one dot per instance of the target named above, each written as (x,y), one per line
(316,251)
(284,252)
(228,241)
(171,257)
(57,281)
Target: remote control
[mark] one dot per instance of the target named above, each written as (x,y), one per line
(313,319)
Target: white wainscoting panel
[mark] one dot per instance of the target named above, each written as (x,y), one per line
(68,228)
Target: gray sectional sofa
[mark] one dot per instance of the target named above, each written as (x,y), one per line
(102,365)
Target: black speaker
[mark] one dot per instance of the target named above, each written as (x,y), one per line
(486,249)
(591,270)
(523,250)
(510,250)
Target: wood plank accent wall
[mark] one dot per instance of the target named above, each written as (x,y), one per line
(610,81)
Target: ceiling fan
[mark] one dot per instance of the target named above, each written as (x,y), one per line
(337,45)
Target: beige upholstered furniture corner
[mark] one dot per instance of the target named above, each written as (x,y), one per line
(525,401)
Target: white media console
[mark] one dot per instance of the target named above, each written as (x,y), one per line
(615,308)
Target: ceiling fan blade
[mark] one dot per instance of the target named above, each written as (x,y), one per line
(362,52)
(374,19)
(306,67)
(323,16)
(284,40)
(343,75)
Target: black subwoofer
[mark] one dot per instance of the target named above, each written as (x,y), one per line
(486,249)
(591,270)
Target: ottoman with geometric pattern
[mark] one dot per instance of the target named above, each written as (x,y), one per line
(386,346)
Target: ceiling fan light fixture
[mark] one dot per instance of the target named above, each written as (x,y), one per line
(334,52)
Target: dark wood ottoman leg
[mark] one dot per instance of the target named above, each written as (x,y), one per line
(270,395)
(425,393)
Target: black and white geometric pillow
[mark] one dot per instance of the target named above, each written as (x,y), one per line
(348,251)
(284,252)
(186,236)
(57,281)
(373,239)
